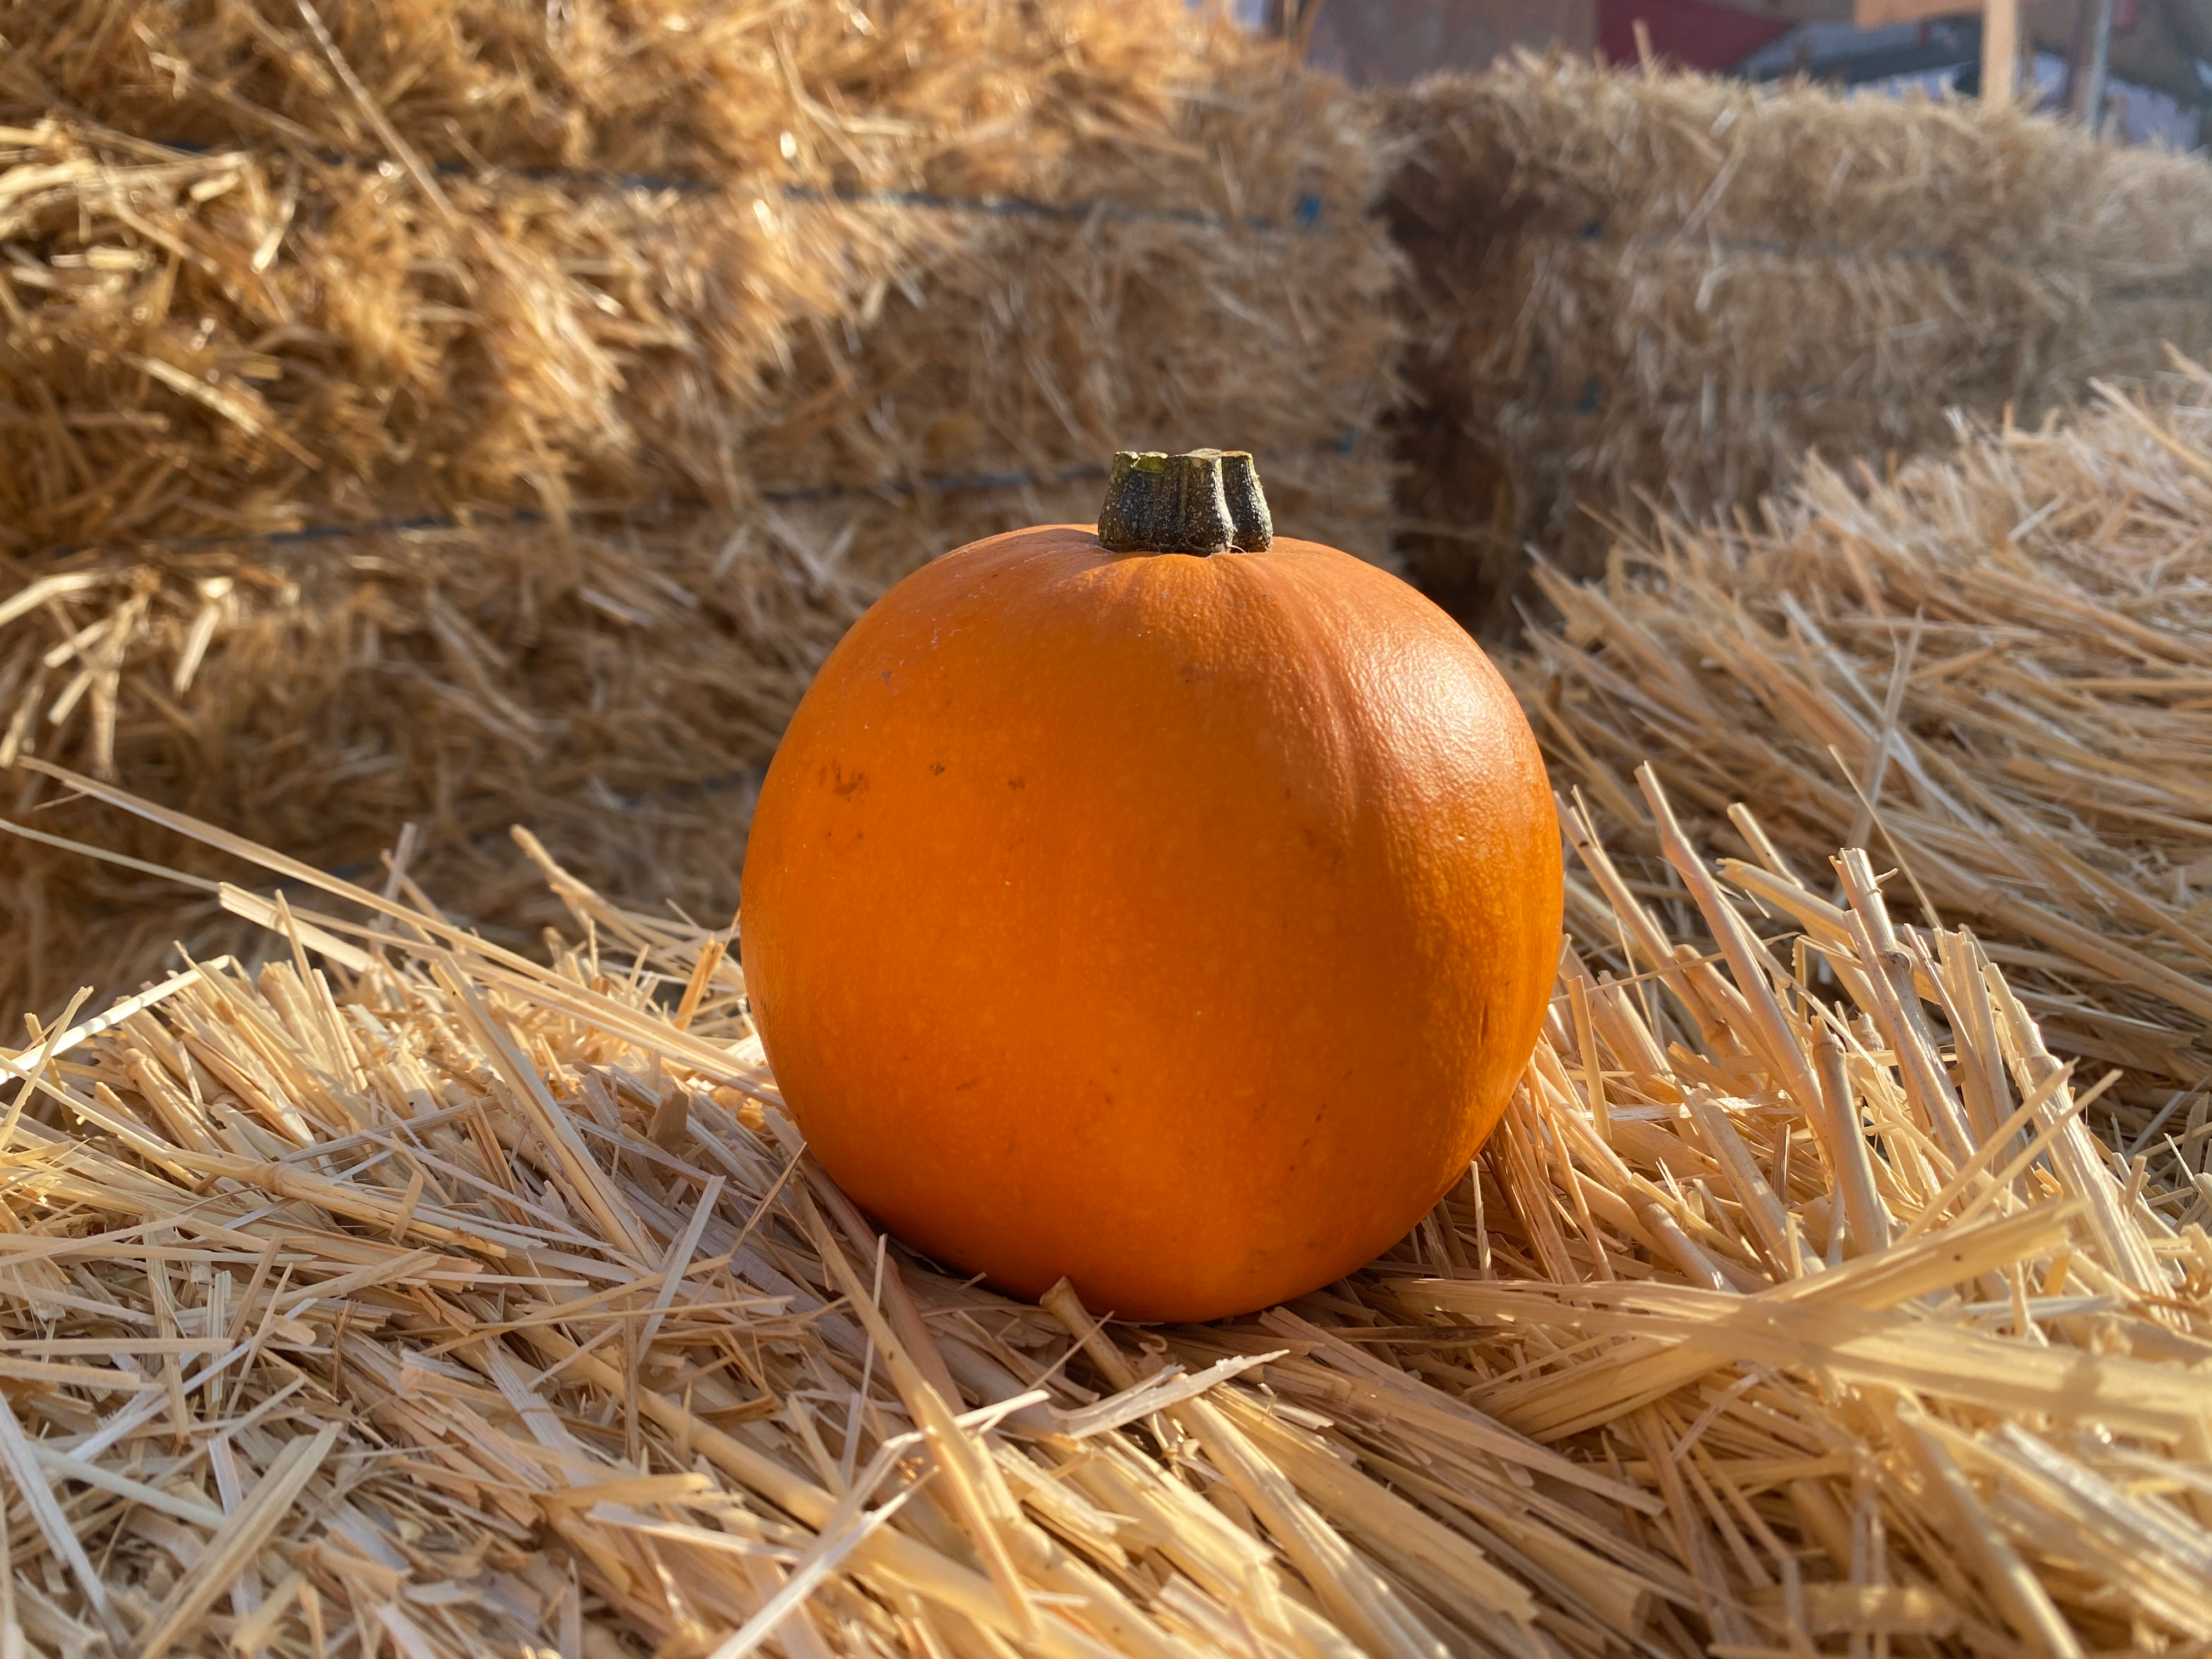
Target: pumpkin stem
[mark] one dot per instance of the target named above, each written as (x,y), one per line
(1205,502)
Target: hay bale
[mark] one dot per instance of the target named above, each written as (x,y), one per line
(1634,289)
(1215,283)
(325,693)
(201,345)
(949,96)
(1994,670)
(243,341)
(567,479)
(412,1291)
(503,278)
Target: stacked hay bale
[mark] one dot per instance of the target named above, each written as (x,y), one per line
(443,414)
(1993,672)
(1637,288)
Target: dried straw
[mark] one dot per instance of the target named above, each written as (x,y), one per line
(1636,287)
(357,306)
(586,427)
(410,1291)
(615,691)
(1994,670)
(1225,279)
(901,92)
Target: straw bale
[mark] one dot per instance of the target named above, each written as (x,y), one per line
(167,373)
(205,344)
(1993,669)
(504,276)
(938,93)
(574,472)
(412,1291)
(1637,289)
(326,692)
(1218,283)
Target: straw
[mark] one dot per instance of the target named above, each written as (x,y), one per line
(264,284)
(488,415)
(1637,290)
(1993,671)
(409,1360)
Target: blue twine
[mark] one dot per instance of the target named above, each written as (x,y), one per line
(1308,211)
(312,533)
(936,486)
(1593,396)
(1595,229)
(943,484)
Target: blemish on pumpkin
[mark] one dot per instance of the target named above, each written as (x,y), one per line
(969,1083)
(1015,783)
(937,767)
(845,786)
(1329,850)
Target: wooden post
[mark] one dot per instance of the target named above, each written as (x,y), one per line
(2000,50)
(1301,31)
(2100,59)
(2077,56)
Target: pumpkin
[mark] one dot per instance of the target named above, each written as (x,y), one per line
(1166,906)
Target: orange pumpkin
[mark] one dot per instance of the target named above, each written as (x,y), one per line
(1175,920)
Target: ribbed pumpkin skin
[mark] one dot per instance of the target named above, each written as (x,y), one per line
(1181,925)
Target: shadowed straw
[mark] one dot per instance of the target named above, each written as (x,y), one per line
(1994,671)
(1634,289)
(413,1291)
